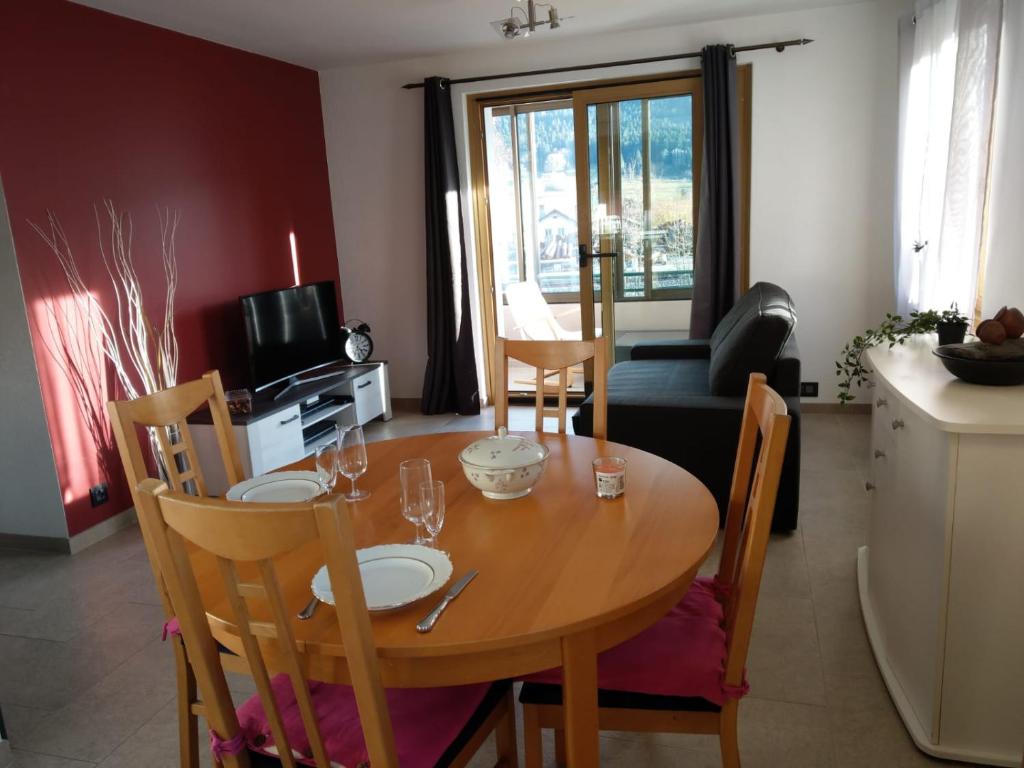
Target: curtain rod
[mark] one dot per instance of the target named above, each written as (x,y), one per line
(779,46)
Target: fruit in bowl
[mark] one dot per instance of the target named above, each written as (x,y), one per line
(1008,323)
(504,466)
(1012,320)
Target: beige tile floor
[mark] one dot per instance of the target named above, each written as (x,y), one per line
(84,679)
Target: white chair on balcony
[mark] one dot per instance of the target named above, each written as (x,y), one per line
(532,314)
(533,317)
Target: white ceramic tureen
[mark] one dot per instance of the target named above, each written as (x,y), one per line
(504,466)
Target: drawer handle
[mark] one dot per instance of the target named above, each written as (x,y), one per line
(364,385)
(869,486)
(897,424)
(879,454)
(880,402)
(289,421)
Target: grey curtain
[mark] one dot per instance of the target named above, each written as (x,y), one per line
(450,382)
(716,255)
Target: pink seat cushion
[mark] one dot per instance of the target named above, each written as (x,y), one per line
(425,721)
(682,655)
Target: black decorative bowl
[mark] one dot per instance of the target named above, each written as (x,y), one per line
(989,364)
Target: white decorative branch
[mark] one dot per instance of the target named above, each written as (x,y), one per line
(144,359)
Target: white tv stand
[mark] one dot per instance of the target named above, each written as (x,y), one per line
(280,432)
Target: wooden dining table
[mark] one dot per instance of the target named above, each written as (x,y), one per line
(563,574)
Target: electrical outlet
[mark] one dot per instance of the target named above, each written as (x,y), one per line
(99,494)
(808,389)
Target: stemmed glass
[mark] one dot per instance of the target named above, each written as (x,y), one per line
(432,509)
(352,459)
(413,473)
(327,466)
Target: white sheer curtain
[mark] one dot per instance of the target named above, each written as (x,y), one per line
(948,56)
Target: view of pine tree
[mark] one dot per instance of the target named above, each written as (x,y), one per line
(671,138)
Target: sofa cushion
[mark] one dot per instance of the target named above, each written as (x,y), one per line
(642,382)
(750,338)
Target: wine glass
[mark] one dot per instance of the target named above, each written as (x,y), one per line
(352,459)
(413,473)
(327,465)
(432,509)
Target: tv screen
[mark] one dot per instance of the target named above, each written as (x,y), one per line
(290,331)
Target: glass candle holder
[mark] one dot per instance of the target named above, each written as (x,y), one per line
(609,477)
(239,402)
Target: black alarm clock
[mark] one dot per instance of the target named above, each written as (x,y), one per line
(356,341)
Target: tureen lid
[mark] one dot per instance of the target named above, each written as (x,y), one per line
(503,451)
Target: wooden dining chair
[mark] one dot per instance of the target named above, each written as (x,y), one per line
(686,673)
(548,357)
(327,723)
(164,415)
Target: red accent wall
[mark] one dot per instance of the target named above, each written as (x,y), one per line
(95,106)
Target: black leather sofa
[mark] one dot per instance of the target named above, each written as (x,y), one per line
(683,400)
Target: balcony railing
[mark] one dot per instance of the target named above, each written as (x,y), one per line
(632,282)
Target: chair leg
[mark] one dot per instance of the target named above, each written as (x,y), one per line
(560,760)
(727,735)
(533,748)
(505,735)
(188,723)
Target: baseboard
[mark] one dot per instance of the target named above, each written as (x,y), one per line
(56,544)
(857,409)
(76,543)
(405,404)
(100,531)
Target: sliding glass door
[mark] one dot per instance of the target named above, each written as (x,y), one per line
(531,201)
(636,191)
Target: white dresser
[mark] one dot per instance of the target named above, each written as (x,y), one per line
(942,578)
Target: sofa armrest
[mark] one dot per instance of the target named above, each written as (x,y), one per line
(671,349)
(786,377)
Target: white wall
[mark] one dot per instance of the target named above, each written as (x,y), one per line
(30,503)
(1004,282)
(824,122)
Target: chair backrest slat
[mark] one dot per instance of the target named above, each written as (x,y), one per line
(762,446)
(549,358)
(245,540)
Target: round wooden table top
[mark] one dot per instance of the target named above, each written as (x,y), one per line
(556,562)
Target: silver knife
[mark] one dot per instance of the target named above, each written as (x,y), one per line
(431,618)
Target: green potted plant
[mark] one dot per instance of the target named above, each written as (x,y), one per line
(892,331)
(952,326)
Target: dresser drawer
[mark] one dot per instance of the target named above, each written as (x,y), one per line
(276,440)
(368,393)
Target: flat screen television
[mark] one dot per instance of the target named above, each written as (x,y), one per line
(290,332)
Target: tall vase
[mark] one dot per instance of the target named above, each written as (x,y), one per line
(158,456)
(174,437)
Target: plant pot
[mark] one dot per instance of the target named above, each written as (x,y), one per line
(952,333)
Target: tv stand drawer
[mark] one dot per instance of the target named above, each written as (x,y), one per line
(369,396)
(276,440)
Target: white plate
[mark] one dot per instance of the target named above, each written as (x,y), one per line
(393,575)
(277,487)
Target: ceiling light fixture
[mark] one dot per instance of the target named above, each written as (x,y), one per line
(521,21)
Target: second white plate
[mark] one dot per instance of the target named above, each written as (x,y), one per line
(277,487)
(394,575)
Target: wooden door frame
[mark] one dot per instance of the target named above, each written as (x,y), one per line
(478,102)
